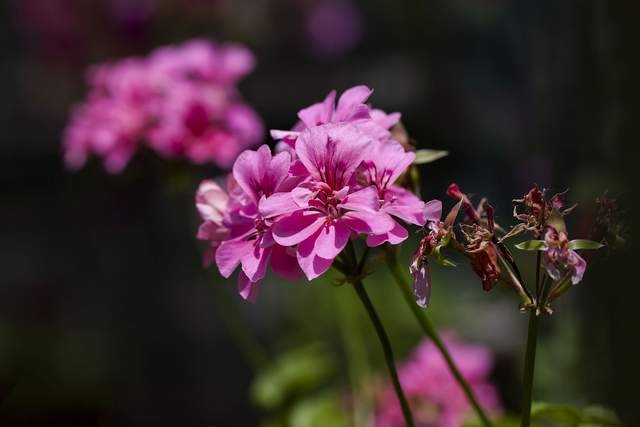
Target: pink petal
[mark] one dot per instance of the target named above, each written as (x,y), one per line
(254,261)
(318,113)
(404,205)
(277,204)
(284,263)
(296,227)
(332,240)
(368,222)
(311,264)
(433,210)
(365,199)
(247,289)
(351,105)
(397,235)
(229,254)
(211,201)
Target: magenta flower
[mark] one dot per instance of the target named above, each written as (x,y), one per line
(329,206)
(250,243)
(559,260)
(382,166)
(435,397)
(181,101)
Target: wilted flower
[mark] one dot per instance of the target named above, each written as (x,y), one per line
(436,399)
(538,212)
(559,260)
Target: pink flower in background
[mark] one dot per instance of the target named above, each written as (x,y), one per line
(181,101)
(435,397)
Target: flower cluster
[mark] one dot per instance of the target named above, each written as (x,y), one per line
(435,397)
(332,178)
(180,101)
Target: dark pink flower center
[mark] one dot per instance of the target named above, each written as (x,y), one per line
(197,119)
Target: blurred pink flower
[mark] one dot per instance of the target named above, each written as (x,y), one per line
(435,397)
(334,28)
(180,101)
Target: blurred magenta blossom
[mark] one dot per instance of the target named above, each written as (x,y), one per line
(435,397)
(332,179)
(181,101)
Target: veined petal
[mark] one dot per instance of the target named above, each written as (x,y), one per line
(405,205)
(365,200)
(296,227)
(421,284)
(332,239)
(351,105)
(277,204)
(254,261)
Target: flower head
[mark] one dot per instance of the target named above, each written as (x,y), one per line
(435,397)
(559,260)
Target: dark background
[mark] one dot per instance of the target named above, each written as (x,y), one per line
(106,316)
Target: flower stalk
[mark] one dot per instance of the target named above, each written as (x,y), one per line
(529,364)
(430,331)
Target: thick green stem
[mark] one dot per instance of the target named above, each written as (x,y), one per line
(529,364)
(388,352)
(431,332)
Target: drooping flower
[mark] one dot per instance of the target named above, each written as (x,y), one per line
(436,399)
(328,207)
(419,268)
(559,260)
(250,242)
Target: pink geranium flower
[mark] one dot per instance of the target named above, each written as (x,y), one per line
(250,243)
(382,166)
(329,206)
(435,397)
(180,100)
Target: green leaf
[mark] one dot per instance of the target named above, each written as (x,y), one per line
(319,411)
(428,156)
(565,415)
(585,244)
(293,374)
(437,254)
(599,416)
(532,245)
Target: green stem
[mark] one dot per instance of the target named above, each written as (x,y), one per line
(431,332)
(529,364)
(238,330)
(388,352)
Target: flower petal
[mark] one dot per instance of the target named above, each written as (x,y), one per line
(284,263)
(254,261)
(229,254)
(311,264)
(296,227)
(247,289)
(365,199)
(368,222)
(332,240)
(397,235)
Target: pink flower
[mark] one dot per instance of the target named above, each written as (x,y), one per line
(382,166)
(559,260)
(435,397)
(204,125)
(212,202)
(250,243)
(180,100)
(329,206)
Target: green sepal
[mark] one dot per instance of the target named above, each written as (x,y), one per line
(428,156)
(437,254)
(532,245)
(585,244)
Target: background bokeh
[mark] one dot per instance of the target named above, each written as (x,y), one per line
(108,319)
